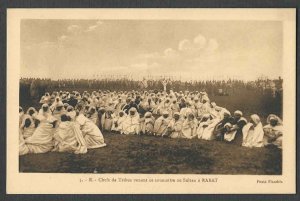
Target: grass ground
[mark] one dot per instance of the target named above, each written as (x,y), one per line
(156,155)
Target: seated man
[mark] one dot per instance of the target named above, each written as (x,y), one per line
(68,137)
(58,111)
(129,104)
(186,110)
(174,129)
(131,125)
(107,119)
(253,133)
(234,129)
(206,127)
(118,122)
(90,132)
(146,106)
(273,131)
(28,124)
(92,114)
(161,124)
(189,126)
(41,140)
(220,129)
(147,124)
(71,112)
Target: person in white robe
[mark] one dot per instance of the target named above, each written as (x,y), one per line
(155,108)
(68,137)
(107,119)
(220,112)
(161,124)
(90,132)
(58,111)
(147,125)
(66,105)
(186,110)
(79,108)
(206,127)
(32,112)
(45,99)
(57,100)
(175,107)
(205,107)
(41,140)
(71,112)
(273,131)
(165,106)
(253,133)
(235,127)
(174,129)
(220,129)
(118,122)
(23,149)
(131,125)
(189,126)
(92,114)
(147,105)
(197,106)
(204,96)
(214,110)
(28,123)
(119,105)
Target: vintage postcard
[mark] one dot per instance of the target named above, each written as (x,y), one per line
(147,101)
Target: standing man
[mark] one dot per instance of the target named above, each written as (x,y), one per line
(164,82)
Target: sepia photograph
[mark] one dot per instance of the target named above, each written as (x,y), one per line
(153,96)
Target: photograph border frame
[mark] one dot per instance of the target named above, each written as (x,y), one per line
(129,4)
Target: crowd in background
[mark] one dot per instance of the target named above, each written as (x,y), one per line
(38,87)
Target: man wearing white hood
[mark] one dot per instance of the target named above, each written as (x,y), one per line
(45,98)
(107,119)
(131,125)
(68,137)
(234,129)
(41,140)
(165,106)
(161,124)
(205,107)
(58,111)
(186,110)
(147,124)
(118,121)
(206,127)
(28,123)
(92,114)
(253,133)
(71,112)
(56,101)
(175,126)
(147,105)
(189,126)
(197,106)
(91,133)
(273,131)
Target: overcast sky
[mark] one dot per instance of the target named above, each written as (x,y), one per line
(190,49)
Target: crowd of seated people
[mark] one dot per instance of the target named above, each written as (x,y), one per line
(74,122)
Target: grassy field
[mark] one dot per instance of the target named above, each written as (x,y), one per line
(148,154)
